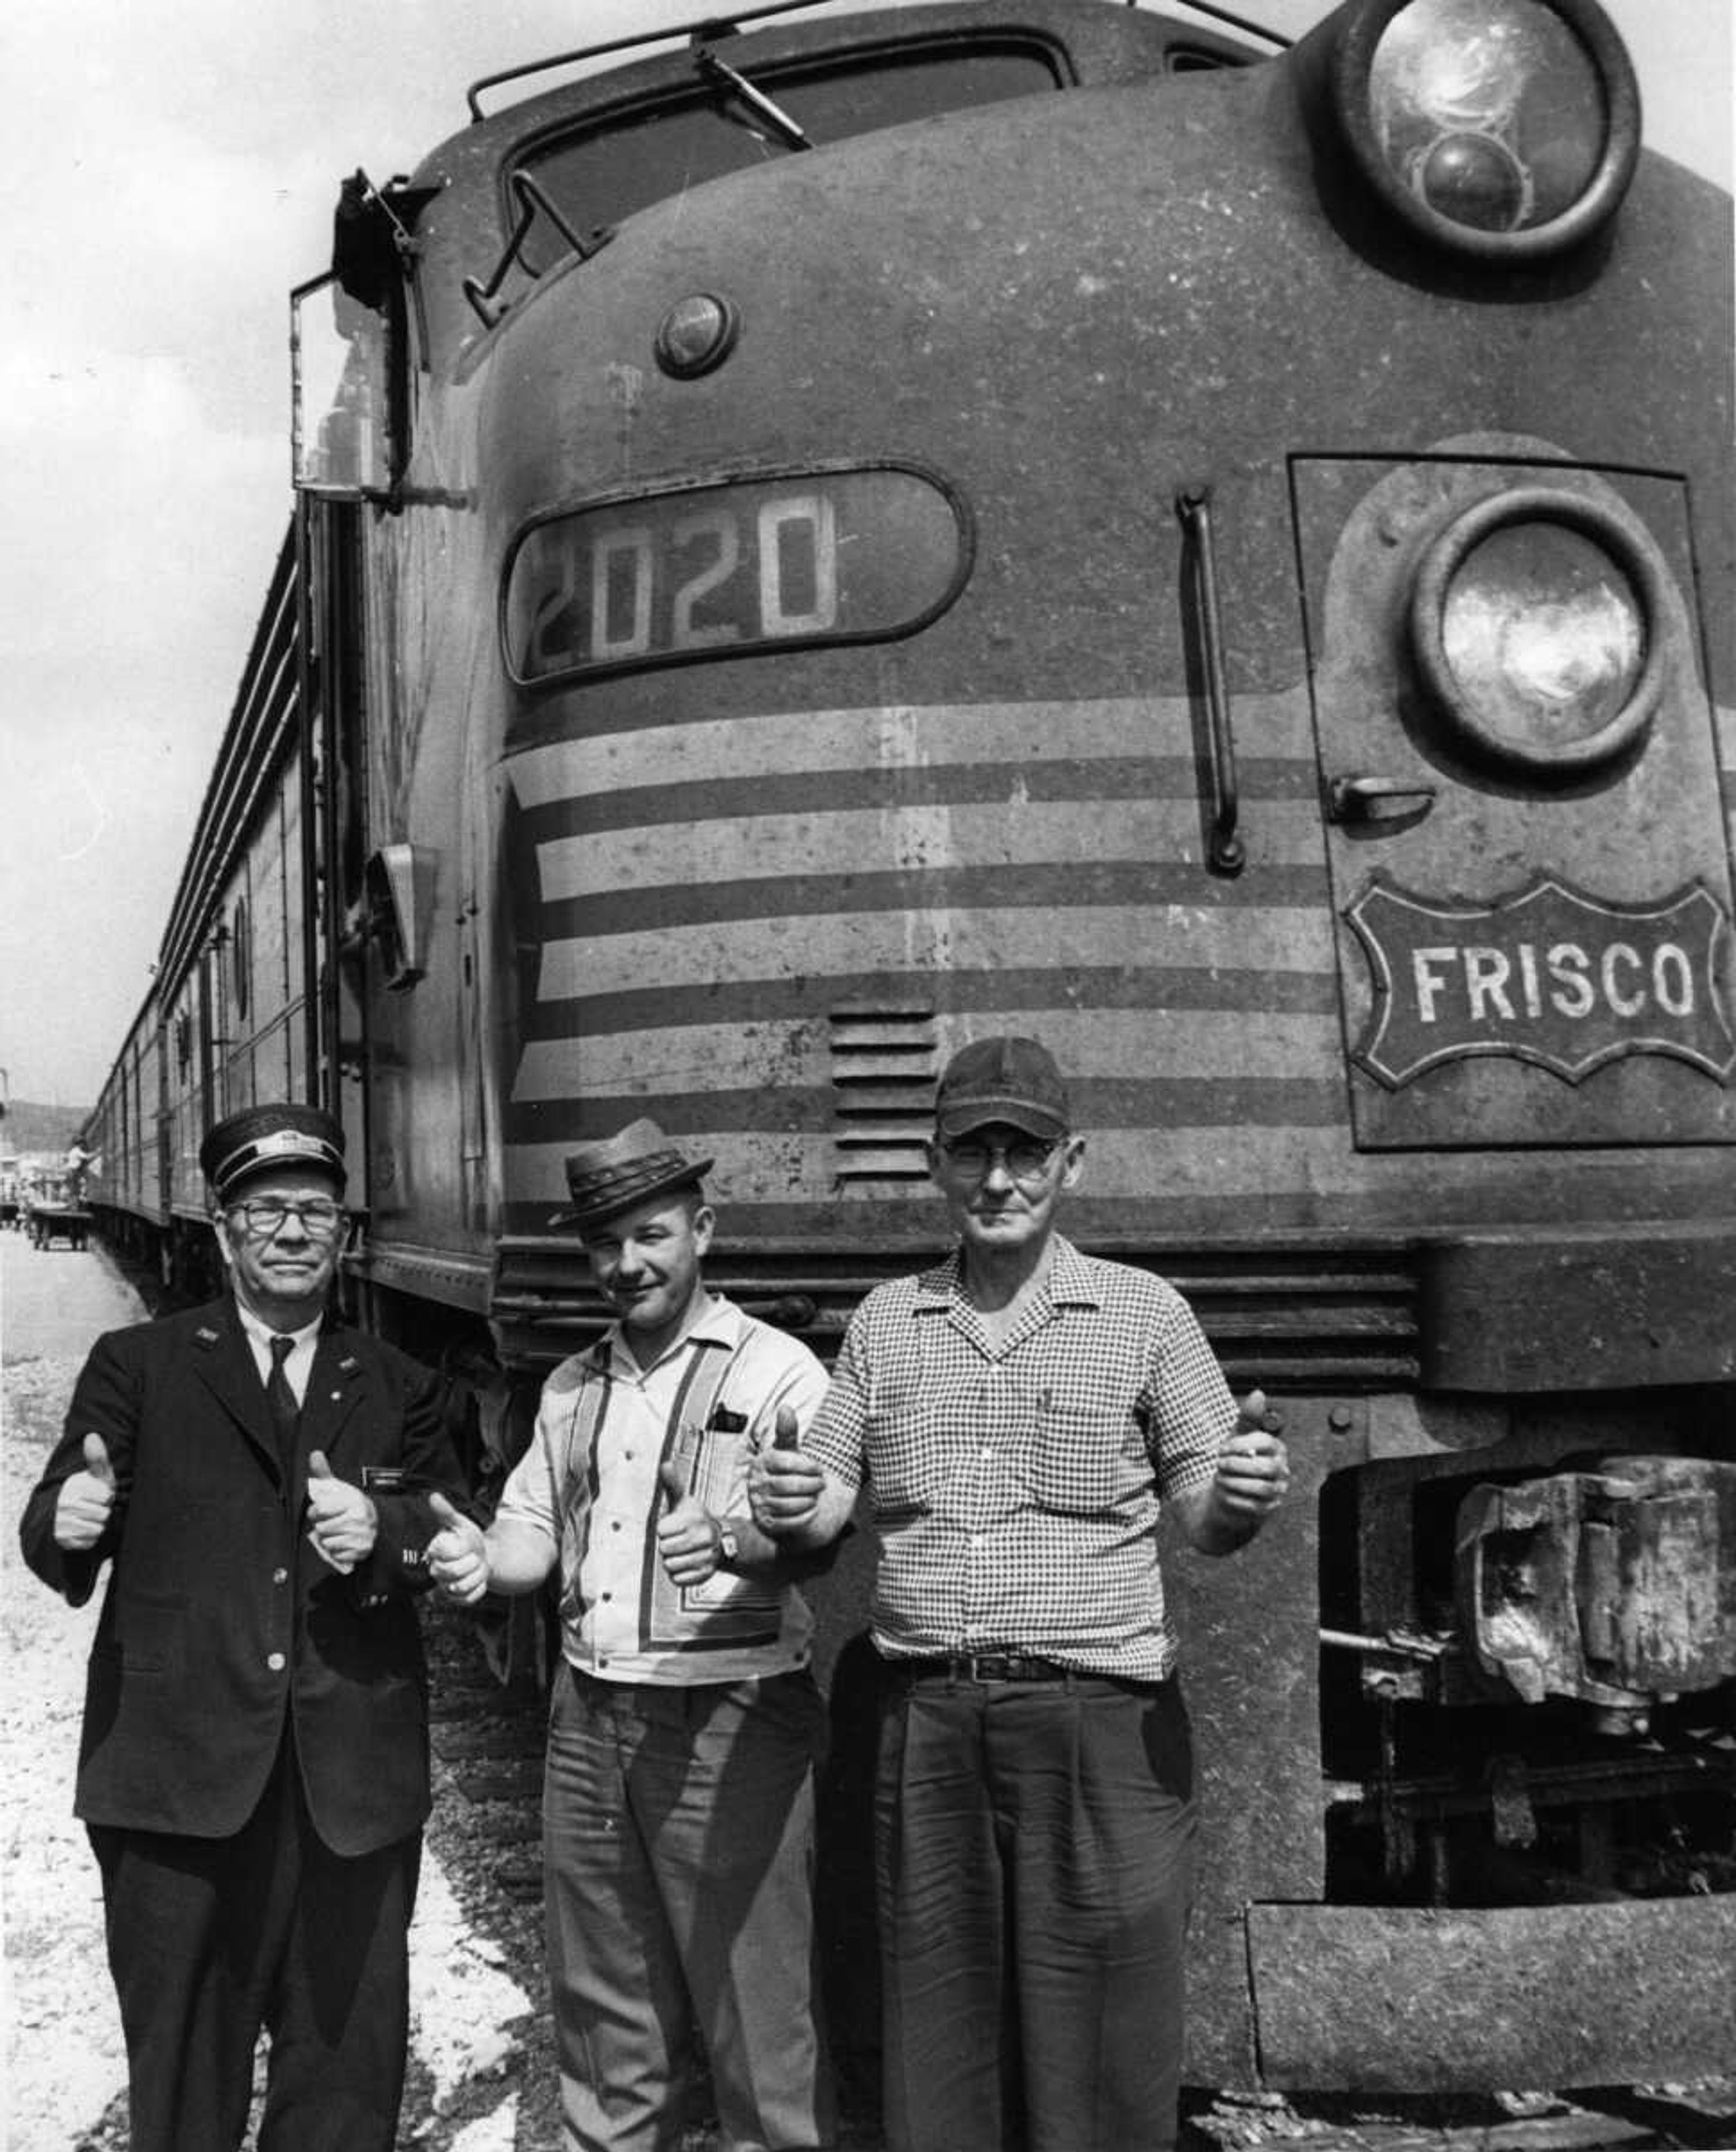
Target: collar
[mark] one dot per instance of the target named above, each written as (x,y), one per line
(716,1321)
(261,1333)
(1070,1280)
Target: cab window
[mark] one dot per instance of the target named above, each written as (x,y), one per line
(603,172)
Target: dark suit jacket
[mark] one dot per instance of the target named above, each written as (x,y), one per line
(219,1617)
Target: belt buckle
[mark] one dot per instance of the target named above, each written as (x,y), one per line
(991,1666)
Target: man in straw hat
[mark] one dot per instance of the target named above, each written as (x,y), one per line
(678,1801)
(1019,1411)
(254,1767)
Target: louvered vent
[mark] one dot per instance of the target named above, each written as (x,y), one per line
(883,1077)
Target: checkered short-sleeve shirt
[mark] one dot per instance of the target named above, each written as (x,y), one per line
(1016,1492)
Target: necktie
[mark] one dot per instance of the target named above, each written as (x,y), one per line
(286,1412)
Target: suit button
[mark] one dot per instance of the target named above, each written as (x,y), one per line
(277,1663)
(280,1576)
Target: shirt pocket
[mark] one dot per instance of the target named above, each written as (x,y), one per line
(911,1445)
(713,1463)
(1083,1460)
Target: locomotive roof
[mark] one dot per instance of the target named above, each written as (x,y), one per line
(1078,44)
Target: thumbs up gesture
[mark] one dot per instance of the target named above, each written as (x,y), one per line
(1253,1466)
(457,1554)
(86,1499)
(342,1523)
(784,1486)
(688,1537)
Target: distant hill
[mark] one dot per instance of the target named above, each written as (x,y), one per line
(27,1127)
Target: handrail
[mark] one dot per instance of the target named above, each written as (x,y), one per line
(1232,20)
(1227,853)
(696,32)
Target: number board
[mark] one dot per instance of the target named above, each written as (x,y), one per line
(834,555)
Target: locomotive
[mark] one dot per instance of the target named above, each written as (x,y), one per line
(821,538)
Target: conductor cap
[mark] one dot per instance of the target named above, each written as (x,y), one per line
(261,1139)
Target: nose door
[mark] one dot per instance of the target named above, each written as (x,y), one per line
(1520,777)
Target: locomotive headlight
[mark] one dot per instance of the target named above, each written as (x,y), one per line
(1534,621)
(1500,127)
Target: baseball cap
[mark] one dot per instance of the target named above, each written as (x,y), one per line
(1004,1078)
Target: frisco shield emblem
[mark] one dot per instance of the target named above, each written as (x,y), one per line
(1549,976)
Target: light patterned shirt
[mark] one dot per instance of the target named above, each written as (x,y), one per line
(589,1484)
(1016,1489)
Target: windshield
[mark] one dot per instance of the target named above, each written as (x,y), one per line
(602,171)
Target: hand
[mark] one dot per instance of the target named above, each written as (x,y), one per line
(457,1554)
(784,1486)
(1253,1466)
(341,1521)
(86,1499)
(688,1537)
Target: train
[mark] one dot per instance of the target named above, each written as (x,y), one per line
(820,536)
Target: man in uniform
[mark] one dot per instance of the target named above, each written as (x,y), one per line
(1019,1413)
(686,1723)
(254,1767)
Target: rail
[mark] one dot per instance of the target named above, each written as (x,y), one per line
(703,27)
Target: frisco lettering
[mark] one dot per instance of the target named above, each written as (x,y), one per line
(1482,983)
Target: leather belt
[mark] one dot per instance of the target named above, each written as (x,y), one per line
(982,1666)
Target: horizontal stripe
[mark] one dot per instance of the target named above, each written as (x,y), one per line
(1310,1172)
(922,943)
(1121,779)
(1016,998)
(1172,897)
(907,1227)
(902,735)
(1172,1161)
(1206,1102)
(1120,1042)
(914,840)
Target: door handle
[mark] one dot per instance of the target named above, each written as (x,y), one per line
(1357,799)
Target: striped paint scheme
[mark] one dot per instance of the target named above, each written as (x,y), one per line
(709,892)
(970,857)
(1230,1179)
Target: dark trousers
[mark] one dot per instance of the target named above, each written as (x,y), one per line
(1034,1858)
(212,1939)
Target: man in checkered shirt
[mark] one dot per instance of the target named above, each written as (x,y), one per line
(1019,1413)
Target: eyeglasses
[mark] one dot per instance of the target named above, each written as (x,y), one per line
(1025,1161)
(263,1215)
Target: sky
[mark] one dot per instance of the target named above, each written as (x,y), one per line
(170,168)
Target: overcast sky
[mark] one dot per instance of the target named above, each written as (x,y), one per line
(170,168)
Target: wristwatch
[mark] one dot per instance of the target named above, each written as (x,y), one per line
(727,1547)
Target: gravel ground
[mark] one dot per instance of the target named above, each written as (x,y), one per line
(67,2068)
